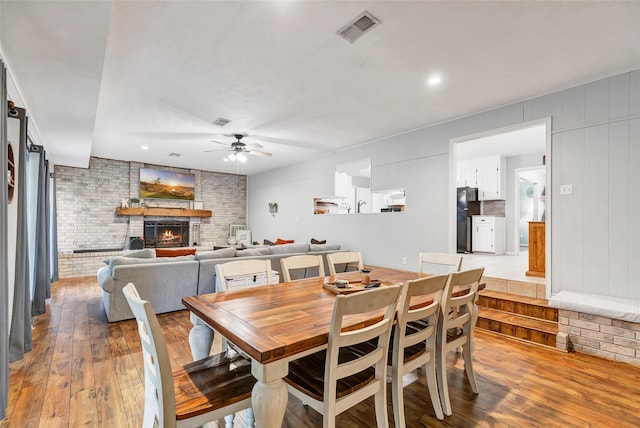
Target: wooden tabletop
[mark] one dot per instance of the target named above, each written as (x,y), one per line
(278,321)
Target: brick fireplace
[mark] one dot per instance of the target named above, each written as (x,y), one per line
(166,233)
(87,198)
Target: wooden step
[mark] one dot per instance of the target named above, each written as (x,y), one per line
(532,329)
(521,305)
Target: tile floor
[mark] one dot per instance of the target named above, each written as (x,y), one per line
(503,266)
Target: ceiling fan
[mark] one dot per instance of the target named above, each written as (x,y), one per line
(237,149)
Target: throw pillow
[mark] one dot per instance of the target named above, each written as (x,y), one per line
(267,242)
(284,241)
(315,241)
(170,252)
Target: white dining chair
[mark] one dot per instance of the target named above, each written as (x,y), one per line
(190,396)
(303,266)
(336,379)
(456,322)
(416,347)
(258,273)
(439,263)
(344,262)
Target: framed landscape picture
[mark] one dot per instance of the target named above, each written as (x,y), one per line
(161,184)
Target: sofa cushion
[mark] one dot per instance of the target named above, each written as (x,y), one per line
(222,253)
(175,252)
(267,242)
(187,258)
(289,248)
(316,241)
(253,252)
(245,246)
(284,241)
(323,247)
(148,253)
(121,261)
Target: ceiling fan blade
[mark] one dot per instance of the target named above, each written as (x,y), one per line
(253,146)
(258,153)
(218,142)
(213,150)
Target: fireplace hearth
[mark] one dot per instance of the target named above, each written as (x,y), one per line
(166,233)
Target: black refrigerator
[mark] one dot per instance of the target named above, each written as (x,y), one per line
(467,206)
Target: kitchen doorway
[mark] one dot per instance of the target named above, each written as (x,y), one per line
(523,147)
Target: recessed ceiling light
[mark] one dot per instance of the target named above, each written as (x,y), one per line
(144,147)
(434,80)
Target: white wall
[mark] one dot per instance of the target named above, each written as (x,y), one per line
(595,147)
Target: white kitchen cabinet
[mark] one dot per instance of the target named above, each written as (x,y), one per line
(487,174)
(468,174)
(492,175)
(342,185)
(488,234)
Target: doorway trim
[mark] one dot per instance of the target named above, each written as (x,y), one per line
(453,142)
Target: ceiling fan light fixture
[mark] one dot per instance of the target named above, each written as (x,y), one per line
(241,157)
(232,157)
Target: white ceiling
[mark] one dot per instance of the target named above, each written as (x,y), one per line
(104,78)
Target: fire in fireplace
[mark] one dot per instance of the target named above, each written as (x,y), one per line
(162,234)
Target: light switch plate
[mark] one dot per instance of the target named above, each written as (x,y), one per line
(566,189)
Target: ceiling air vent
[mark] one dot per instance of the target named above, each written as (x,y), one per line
(358,26)
(174,155)
(221,121)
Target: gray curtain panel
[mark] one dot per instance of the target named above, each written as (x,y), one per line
(4,277)
(43,260)
(53,245)
(20,334)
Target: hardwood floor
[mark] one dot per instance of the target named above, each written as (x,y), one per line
(84,371)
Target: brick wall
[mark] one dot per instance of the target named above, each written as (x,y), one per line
(609,338)
(86,201)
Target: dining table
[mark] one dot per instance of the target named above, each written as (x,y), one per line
(275,324)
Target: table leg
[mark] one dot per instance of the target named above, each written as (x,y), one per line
(200,339)
(269,395)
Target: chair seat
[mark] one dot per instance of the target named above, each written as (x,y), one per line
(307,375)
(212,383)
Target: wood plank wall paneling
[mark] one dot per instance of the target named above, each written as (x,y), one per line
(84,371)
(595,147)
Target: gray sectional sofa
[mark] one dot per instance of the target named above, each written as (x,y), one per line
(164,281)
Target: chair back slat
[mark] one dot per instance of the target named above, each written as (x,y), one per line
(439,263)
(291,266)
(344,262)
(226,271)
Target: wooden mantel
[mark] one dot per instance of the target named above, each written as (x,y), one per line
(163,212)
